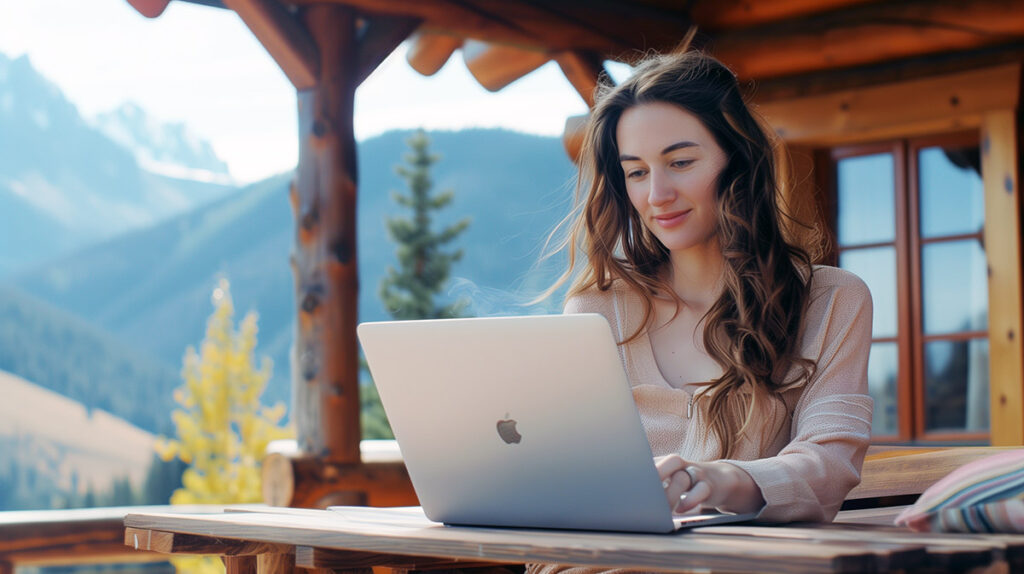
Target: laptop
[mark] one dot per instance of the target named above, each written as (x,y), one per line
(520,422)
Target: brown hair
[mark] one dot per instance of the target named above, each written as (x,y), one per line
(752,329)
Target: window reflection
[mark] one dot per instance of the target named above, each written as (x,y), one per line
(956,385)
(866,194)
(883,370)
(955,287)
(877,267)
(952,195)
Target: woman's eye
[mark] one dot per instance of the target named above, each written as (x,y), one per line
(634,173)
(682,162)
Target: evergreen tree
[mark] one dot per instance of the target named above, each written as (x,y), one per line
(222,429)
(423,265)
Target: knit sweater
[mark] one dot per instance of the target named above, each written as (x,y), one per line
(806,469)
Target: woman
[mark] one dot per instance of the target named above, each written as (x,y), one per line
(748,365)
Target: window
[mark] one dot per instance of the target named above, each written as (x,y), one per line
(909,220)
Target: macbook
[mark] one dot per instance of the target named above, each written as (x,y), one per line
(520,422)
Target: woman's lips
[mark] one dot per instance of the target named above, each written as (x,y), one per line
(672,219)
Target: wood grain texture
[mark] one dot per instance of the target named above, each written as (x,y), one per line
(239,564)
(324,259)
(284,38)
(308,557)
(1001,175)
(917,107)
(891,475)
(407,532)
(310,482)
(185,543)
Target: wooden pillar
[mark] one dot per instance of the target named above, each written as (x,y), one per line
(326,408)
(999,168)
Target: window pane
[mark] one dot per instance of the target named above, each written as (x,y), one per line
(867,199)
(877,267)
(952,196)
(956,385)
(955,287)
(883,370)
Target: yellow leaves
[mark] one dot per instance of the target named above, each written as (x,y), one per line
(222,428)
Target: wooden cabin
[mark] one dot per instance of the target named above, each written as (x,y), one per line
(904,124)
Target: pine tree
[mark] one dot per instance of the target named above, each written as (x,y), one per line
(222,429)
(423,266)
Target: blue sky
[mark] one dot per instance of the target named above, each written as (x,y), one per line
(202,66)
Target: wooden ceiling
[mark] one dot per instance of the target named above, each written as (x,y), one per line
(501,40)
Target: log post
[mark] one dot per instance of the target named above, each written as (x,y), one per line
(326,281)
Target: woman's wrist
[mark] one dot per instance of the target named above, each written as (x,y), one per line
(735,489)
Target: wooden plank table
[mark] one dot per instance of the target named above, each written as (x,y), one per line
(357,538)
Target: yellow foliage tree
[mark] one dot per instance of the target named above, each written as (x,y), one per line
(222,428)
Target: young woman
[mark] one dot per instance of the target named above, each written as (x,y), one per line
(748,364)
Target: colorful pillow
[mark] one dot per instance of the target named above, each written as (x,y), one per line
(986,495)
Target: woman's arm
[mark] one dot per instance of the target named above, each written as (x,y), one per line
(831,427)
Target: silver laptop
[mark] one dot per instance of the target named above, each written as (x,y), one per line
(520,421)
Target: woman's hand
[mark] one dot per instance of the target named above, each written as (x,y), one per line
(721,485)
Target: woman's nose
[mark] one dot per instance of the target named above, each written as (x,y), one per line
(661,191)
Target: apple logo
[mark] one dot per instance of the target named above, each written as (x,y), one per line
(507,431)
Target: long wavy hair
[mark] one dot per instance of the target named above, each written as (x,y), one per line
(752,328)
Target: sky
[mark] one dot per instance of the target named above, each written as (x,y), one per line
(202,66)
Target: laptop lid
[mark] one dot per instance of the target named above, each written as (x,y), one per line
(517,421)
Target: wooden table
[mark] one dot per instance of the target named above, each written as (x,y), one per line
(357,538)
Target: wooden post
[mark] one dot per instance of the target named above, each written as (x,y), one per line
(326,281)
(999,169)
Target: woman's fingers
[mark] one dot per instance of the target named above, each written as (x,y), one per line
(694,497)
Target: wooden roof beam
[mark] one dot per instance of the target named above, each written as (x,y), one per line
(429,52)
(284,37)
(381,35)
(150,8)
(719,15)
(496,66)
(868,34)
(582,69)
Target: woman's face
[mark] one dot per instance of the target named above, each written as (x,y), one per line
(671,163)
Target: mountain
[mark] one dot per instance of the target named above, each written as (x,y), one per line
(65,354)
(166,149)
(152,287)
(64,182)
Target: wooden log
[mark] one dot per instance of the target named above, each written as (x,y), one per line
(572,136)
(380,36)
(309,482)
(875,32)
(913,473)
(6,567)
(582,69)
(429,52)
(1001,174)
(324,261)
(714,15)
(284,38)
(150,8)
(311,557)
(496,66)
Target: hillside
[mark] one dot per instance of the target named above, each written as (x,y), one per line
(152,287)
(60,442)
(65,354)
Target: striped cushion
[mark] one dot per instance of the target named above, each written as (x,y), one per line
(986,495)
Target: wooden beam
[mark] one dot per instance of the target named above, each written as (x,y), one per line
(284,38)
(496,66)
(308,482)
(381,35)
(918,107)
(326,373)
(178,543)
(429,52)
(717,15)
(150,8)
(912,471)
(610,28)
(572,136)
(863,34)
(582,69)
(328,559)
(239,564)
(1001,175)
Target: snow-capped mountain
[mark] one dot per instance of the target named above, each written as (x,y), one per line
(166,149)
